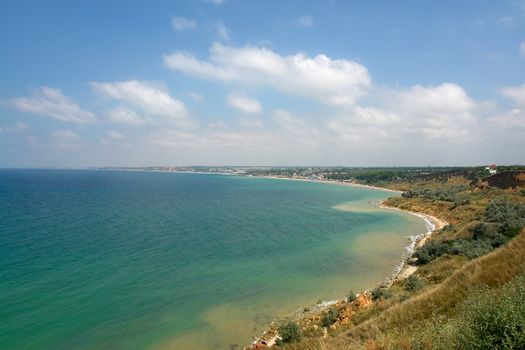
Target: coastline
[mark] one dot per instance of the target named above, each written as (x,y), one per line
(404,269)
(401,271)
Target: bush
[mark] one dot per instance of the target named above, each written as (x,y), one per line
(351,296)
(413,283)
(430,251)
(380,293)
(492,319)
(470,248)
(329,318)
(506,213)
(289,332)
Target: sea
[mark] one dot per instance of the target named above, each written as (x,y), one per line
(93,259)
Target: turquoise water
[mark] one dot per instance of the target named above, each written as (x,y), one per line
(134,260)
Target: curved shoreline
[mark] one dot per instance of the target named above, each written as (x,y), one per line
(401,271)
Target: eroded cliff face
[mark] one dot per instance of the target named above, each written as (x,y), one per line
(508,179)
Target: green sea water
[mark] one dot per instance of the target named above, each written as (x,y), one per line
(139,260)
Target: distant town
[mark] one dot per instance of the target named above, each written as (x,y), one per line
(363,175)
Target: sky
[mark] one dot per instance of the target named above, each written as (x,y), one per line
(230,82)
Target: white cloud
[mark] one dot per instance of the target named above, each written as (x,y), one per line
(65,135)
(306,21)
(427,112)
(115,134)
(196,96)
(287,120)
(513,120)
(126,116)
(522,48)
(52,103)
(151,98)
(337,82)
(244,104)
(180,24)
(515,93)
(223,32)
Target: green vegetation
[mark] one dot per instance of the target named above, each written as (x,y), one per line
(469,281)
(501,221)
(352,296)
(329,318)
(492,319)
(289,332)
(414,283)
(380,293)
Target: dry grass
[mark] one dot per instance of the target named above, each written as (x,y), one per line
(493,269)
(449,278)
(440,269)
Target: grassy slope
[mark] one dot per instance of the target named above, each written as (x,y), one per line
(449,278)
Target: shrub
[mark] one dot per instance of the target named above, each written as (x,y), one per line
(492,319)
(413,283)
(470,248)
(351,296)
(505,212)
(289,332)
(329,318)
(431,251)
(380,293)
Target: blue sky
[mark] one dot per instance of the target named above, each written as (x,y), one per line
(88,83)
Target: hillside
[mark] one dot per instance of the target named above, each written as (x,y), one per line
(481,253)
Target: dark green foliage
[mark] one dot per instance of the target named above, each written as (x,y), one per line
(289,332)
(430,251)
(413,283)
(380,293)
(492,319)
(486,319)
(329,318)
(507,213)
(351,296)
(448,195)
(502,221)
(470,248)
(449,228)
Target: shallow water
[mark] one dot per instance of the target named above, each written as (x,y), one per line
(101,259)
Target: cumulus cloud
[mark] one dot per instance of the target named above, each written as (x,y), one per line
(152,99)
(515,93)
(52,103)
(512,120)
(223,32)
(125,116)
(428,112)
(306,21)
(331,81)
(244,104)
(181,24)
